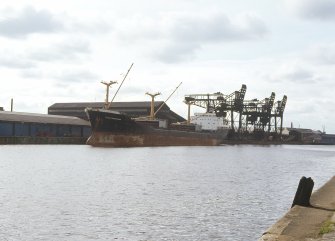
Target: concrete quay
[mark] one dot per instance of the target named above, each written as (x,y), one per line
(313,223)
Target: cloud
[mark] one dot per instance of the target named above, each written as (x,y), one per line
(175,52)
(291,72)
(323,54)
(217,28)
(92,27)
(176,37)
(189,34)
(75,76)
(312,9)
(32,73)
(63,77)
(29,21)
(299,75)
(9,61)
(69,50)
(17,57)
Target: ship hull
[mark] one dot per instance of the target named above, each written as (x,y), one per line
(111,129)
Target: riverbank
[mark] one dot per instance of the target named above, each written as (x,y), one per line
(315,223)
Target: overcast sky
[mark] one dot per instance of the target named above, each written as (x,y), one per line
(59,51)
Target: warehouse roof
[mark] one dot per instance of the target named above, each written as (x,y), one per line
(137,104)
(41,118)
(133,109)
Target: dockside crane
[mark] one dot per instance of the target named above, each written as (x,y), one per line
(278,114)
(258,114)
(189,101)
(229,106)
(244,116)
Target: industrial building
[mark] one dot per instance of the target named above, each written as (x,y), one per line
(17,124)
(327,139)
(305,136)
(132,109)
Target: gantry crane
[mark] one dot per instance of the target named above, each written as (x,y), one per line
(243,116)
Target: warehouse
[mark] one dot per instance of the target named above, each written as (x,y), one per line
(17,124)
(133,109)
(305,136)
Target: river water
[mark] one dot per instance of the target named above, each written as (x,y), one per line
(169,193)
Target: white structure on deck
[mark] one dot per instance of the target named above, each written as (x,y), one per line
(209,121)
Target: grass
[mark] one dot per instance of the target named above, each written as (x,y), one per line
(327,227)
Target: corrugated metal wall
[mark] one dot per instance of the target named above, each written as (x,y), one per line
(43,130)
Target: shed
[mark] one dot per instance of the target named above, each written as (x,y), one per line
(31,124)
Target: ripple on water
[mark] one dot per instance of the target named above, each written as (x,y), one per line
(173,193)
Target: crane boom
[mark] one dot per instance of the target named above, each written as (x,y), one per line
(167,98)
(109,105)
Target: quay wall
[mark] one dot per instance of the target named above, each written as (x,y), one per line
(314,222)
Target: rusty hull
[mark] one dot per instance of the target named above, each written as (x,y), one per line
(109,139)
(113,129)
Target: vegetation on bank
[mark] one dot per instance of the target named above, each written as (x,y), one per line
(327,227)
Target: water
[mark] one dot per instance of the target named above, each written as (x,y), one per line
(169,193)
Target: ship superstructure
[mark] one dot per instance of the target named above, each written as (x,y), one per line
(209,121)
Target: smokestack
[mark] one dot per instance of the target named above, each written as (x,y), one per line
(11,105)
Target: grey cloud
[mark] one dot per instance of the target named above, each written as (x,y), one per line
(177,37)
(75,76)
(311,9)
(16,62)
(31,73)
(64,51)
(71,51)
(291,74)
(96,27)
(300,75)
(29,21)
(217,28)
(323,54)
(176,52)
(188,34)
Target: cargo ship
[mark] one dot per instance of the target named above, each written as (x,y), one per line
(114,129)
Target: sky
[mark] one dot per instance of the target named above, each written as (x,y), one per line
(60,51)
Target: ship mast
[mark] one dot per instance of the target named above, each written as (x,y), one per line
(108,85)
(152,110)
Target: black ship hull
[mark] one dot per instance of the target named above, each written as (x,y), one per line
(112,129)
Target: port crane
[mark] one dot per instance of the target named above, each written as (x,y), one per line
(243,116)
